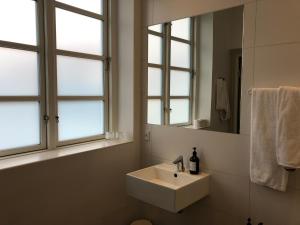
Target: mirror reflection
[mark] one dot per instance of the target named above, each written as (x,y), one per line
(195,70)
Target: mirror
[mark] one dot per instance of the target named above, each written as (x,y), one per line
(195,70)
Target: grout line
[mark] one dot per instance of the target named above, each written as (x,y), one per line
(253,85)
(278,44)
(226,173)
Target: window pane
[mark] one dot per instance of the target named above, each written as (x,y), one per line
(79,119)
(79,77)
(157,28)
(180,111)
(78,33)
(180,54)
(18,72)
(154,81)
(95,6)
(180,83)
(18,21)
(181,28)
(154,49)
(20,124)
(154,111)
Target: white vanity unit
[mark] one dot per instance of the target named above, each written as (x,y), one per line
(162,186)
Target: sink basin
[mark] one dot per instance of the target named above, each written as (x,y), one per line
(162,186)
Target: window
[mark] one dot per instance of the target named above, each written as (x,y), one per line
(80,71)
(170,72)
(53,87)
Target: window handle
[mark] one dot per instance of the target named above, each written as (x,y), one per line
(46,118)
(57,119)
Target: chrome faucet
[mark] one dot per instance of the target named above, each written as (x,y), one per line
(179,163)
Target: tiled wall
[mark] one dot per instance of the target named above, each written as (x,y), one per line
(271,58)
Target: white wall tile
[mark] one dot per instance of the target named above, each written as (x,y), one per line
(247,1)
(273,207)
(277,65)
(247,84)
(228,153)
(249,24)
(277,21)
(229,194)
(294,180)
(195,214)
(219,217)
(297,175)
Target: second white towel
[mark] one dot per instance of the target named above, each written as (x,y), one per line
(288,127)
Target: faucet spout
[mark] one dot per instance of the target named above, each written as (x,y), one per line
(179,163)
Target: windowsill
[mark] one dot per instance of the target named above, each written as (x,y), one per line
(193,128)
(38,156)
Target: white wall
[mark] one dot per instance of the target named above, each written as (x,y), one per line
(86,188)
(228,32)
(83,189)
(270,58)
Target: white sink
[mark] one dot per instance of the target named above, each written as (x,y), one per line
(161,185)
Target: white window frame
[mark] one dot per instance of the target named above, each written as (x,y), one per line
(41,98)
(46,49)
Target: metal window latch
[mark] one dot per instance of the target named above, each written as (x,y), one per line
(107,63)
(46,118)
(57,119)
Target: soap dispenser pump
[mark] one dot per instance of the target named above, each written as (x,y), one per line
(194,163)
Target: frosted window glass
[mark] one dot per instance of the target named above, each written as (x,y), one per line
(154,111)
(180,83)
(180,54)
(157,28)
(181,28)
(79,77)
(18,21)
(20,124)
(154,49)
(180,111)
(95,6)
(18,72)
(154,81)
(78,33)
(79,119)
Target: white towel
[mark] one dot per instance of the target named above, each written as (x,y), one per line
(288,127)
(222,100)
(264,169)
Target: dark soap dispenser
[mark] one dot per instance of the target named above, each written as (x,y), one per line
(194,163)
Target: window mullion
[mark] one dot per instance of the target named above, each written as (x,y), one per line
(42,72)
(107,66)
(167,58)
(50,44)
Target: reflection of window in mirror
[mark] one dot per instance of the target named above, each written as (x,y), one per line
(195,71)
(170,63)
